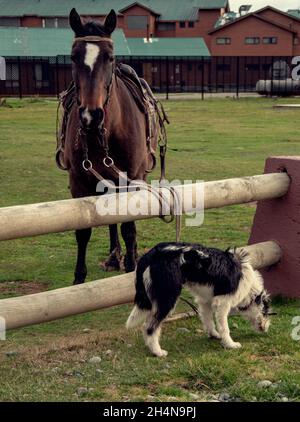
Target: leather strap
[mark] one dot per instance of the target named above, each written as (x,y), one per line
(93,38)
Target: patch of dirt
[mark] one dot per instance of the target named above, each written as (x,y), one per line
(22,287)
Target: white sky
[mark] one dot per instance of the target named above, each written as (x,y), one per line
(258,4)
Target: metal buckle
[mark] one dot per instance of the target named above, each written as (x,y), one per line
(87,165)
(108,162)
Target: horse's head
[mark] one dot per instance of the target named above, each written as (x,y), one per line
(93,66)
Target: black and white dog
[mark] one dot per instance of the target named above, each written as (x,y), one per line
(220,281)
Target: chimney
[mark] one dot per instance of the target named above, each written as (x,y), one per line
(244,9)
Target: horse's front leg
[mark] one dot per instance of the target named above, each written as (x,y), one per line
(128,231)
(82,236)
(113,262)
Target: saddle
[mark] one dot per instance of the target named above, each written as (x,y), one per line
(138,87)
(144,99)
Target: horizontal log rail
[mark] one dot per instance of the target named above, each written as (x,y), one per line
(73,214)
(55,304)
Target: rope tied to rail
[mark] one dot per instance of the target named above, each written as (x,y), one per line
(172,204)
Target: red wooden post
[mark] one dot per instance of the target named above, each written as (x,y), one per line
(279,220)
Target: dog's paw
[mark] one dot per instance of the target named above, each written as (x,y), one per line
(232,345)
(214,335)
(161,354)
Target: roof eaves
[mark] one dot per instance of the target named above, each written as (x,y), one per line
(256,16)
(141,5)
(209,7)
(281,12)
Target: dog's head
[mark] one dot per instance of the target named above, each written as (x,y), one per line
(257,311)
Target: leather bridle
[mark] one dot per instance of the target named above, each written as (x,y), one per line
(101,131)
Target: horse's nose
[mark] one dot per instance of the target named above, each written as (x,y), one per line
(91,119)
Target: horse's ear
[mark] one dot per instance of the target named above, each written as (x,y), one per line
(110,23)
(75,21)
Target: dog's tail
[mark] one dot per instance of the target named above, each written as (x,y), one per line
(142,302)
(241,255)
(251,276)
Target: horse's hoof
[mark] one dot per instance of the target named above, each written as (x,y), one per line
(129,264)
(76,282)
(110,266)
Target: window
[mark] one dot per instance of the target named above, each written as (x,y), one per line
(252,67)
(63,23)
(270,40)
(137,22)
(2,69)
(223,41)
(182,24)
(191,24)
(266,67)
(10,22)
(252,40)
(12,75)
(41,75)
(166,26)
(50,23)
(223,67)
(56,23)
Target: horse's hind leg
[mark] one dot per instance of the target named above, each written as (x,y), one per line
(128,231)
(82,236)
(113,262)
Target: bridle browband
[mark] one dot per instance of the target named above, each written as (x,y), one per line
(93,38)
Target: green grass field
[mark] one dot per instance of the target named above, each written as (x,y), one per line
(208,140)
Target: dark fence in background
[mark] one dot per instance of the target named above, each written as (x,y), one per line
(48,76)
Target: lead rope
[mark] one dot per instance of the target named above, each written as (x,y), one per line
(175,208)
(163,145)
(176,203)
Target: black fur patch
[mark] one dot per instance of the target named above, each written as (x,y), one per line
(171,265)
(215,268)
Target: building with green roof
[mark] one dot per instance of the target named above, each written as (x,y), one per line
(168,47)
(45,42)
(154,36)
(166,9)
(295,13)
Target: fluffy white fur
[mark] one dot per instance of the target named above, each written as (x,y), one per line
(213,310)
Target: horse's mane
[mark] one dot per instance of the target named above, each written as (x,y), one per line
(91,27)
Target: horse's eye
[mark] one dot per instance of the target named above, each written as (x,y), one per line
(108,57)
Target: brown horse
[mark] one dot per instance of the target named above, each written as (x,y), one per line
(105,126)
